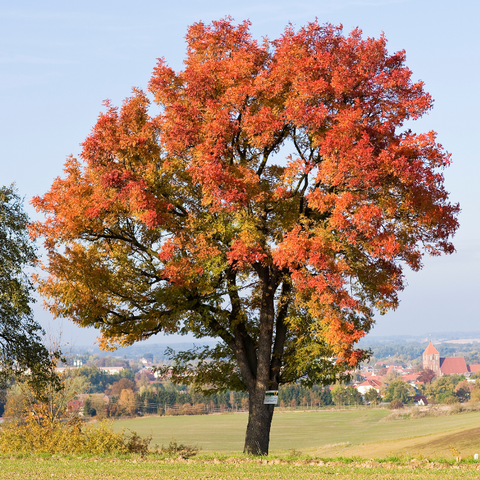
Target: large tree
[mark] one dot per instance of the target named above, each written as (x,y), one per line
(21,347)
(270,201)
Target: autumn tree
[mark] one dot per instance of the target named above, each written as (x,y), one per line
(270,200)
(123,383)
(426,376)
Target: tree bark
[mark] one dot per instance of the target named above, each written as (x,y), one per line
(260,416)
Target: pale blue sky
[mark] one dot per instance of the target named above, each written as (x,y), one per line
(59,60)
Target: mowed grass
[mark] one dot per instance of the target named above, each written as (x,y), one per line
(361,433)
(225,469)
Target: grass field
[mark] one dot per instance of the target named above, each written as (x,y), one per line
(354,433)
(225,469)
(349,445)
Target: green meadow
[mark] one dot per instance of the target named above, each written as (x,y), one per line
(358,433)
(349,445)
(226,469)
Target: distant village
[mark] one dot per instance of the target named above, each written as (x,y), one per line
(433,366)
(113,387)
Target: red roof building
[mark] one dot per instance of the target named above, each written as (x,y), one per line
(369,385)
(409,378)
(446,365)
(431,350)
(451,365)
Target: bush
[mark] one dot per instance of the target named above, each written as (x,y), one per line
(71,437)
(451,400)
(394,404)
(179,450)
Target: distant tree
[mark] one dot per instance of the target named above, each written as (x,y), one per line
(342,395)
(339,395)
(426,376)
(122,384)
(127,401)
(98,405)
(354,397)
(88,409)
(463,391)
(325,397)
(372,396)
(142,381)
(475,393)
(398,390)
(442,388)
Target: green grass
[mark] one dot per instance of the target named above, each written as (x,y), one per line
(328,433)
(228,468)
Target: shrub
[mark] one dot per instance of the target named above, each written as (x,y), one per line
(475,395)
(179,450)
(34,435)
(394,404)
(451,400)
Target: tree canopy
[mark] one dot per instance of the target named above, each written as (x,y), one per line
(21,346)
(271,200)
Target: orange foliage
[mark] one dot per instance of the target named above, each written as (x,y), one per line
(185,220)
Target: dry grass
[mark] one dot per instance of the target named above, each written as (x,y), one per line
(432,411)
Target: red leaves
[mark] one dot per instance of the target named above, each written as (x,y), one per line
(242,255)
(357,198)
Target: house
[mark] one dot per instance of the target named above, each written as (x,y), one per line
(420,400)
(446,365)
(369,384)
(410,378)
(111,370)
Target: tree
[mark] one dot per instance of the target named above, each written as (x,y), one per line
(475,393)
(122,384)
(372,396)
(442,388)
(342,395)
(426,376)
(127,401)
(463,390)
(188,220)
(398,390)
(339,395)
(21,347)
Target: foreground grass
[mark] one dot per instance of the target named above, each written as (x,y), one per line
(227,468)
(362,433)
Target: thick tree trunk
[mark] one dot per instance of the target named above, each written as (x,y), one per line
(265,374)
(260,416)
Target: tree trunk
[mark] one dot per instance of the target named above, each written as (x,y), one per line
(260,416)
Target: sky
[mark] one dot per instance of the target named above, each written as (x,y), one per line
(60,60)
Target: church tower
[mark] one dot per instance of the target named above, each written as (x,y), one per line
(431,360)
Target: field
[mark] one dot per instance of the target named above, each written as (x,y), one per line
(325,434)
(225,469)
(355,444)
